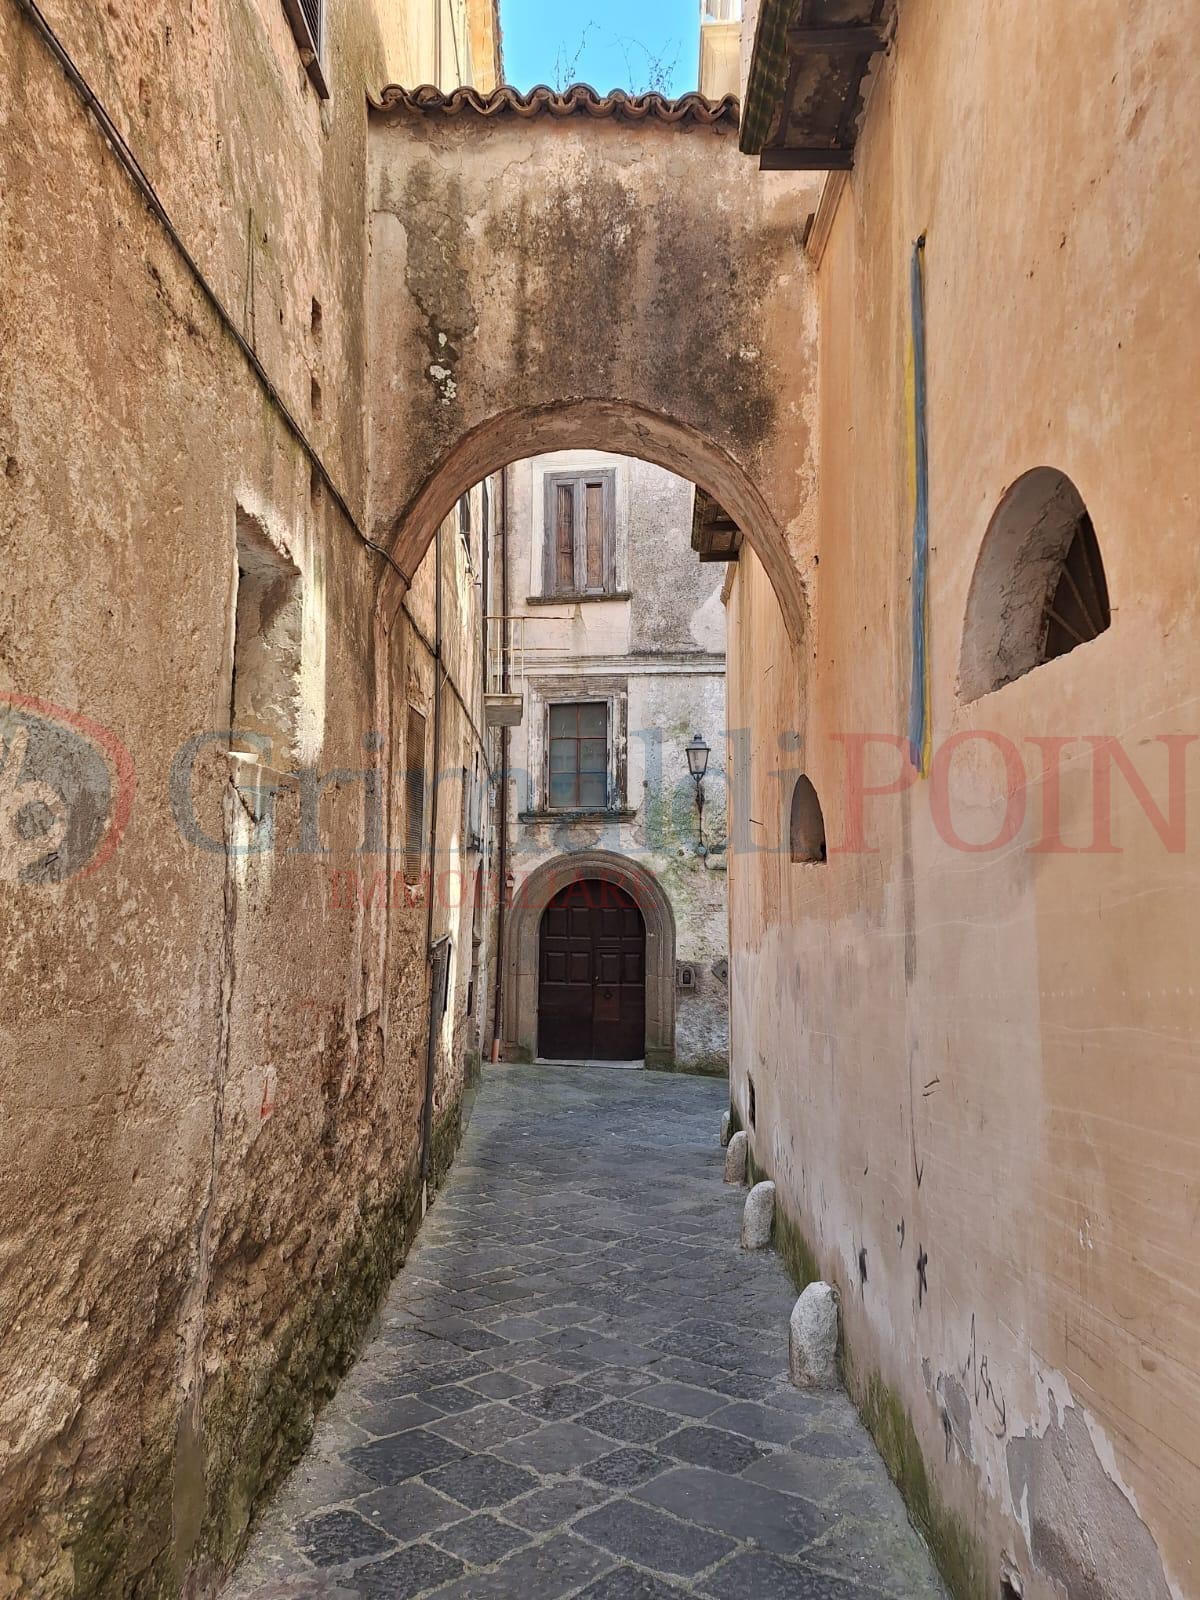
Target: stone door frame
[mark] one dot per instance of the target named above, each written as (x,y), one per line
(520,962)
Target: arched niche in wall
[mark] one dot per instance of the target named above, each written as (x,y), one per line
(806,827)
(1039,589)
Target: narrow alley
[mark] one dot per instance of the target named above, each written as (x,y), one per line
(525,549)
(580,1387)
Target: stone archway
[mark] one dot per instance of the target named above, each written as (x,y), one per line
(556,272)
(625,429)
(520,959)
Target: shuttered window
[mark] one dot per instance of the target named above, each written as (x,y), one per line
(579,757)
(580,539)
(414,797)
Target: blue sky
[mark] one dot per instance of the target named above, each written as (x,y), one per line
(611,44)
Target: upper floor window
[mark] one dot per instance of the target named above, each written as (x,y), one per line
(307,18)
(579,756)
(580,541)
(464,526)
(414,797)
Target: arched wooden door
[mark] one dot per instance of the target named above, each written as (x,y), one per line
(592,975)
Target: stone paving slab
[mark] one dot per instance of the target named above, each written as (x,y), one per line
(579,1388)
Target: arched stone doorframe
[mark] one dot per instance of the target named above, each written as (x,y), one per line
(520,964)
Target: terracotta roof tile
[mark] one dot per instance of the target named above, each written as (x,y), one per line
(580,100)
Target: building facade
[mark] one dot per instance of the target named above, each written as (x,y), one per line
(618,655)
(962,974)
(246,1100)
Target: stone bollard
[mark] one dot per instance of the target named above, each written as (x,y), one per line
(759,1217)
(736,1157)
(724,1129)
(813,1338)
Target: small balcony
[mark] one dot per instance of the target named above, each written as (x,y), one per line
(503,696)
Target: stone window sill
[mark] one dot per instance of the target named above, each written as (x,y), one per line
(576,599)
(576,816)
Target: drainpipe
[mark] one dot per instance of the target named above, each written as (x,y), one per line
(498,1022)
(431,968)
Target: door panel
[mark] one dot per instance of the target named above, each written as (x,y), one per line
(591,975)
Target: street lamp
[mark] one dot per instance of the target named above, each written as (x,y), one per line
(697,760)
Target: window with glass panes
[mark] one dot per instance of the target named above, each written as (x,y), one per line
(579,756)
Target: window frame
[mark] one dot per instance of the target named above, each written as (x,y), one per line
(542,694)
(416,797)
(578,739)
(578,478)
(312,50)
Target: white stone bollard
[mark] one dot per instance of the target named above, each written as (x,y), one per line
(724,1129)
(759,1217)
(736,1157)
(813,1338)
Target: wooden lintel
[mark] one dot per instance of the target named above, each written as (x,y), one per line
(808,160)
(850,41)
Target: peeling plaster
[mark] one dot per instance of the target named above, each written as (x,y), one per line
(1081,1524)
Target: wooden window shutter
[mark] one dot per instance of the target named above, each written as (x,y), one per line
(414,797)
(595,540)
(564,537)
(579,545)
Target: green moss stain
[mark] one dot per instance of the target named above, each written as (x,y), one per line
(711,1066)
(132,1535)
(794,1249)
(958,1554)
(118,1538)
(257,1425)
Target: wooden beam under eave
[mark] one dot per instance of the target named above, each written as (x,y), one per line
(807,160)
(852,41)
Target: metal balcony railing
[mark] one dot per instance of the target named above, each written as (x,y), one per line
(504,678)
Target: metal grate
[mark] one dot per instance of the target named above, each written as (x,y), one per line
(1078,609)
(307,19)
(311,10)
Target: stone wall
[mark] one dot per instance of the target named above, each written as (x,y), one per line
(212,1058)
(975,1068)
(579,280)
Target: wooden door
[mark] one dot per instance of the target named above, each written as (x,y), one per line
(592,975)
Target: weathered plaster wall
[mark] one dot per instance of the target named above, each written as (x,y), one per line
(979,1070)
(210,1067)
(663,647)
(559,283)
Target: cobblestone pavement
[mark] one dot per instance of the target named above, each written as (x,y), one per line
(580,1387)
